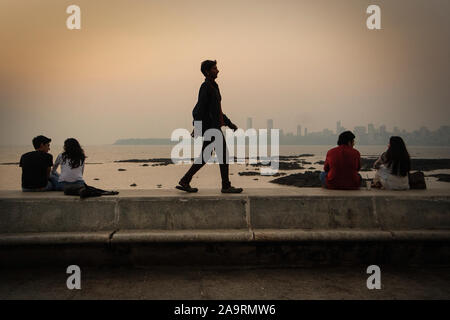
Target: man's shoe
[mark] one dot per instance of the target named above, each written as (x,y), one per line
(231,189)
(186,187)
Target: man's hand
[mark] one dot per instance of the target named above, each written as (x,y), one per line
(233,127)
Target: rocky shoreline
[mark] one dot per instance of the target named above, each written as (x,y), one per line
(295,163)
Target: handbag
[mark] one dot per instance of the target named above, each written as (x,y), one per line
(417,180)
(85,191)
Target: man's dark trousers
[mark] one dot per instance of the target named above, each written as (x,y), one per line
(222,164)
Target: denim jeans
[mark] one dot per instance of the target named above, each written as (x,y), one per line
(48,187)
(323,179)
(62,184)
(59,185)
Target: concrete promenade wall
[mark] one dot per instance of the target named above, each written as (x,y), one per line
(258,216)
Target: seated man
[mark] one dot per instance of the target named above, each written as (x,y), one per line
(36,166)
(342,165)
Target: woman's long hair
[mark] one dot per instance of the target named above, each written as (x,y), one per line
(397,157)
(73,153)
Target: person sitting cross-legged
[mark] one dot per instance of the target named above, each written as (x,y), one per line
(393,166)
(72,165)
(342,165)
(36,166)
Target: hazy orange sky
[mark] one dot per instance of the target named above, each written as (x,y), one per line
(132,71)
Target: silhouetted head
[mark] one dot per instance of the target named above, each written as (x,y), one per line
(73,153)
(346,138)
(397,156)
(209,68)
(42,143)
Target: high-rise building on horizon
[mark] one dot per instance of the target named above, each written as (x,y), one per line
(269,124)
(360,130)
(249,123)
(339,128)
(299,131)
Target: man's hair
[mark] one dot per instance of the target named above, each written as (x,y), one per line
(37,141)
(207,65)
(345,137)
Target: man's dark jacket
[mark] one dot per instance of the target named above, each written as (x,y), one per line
(208,107)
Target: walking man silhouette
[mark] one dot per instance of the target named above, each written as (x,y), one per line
(208,110)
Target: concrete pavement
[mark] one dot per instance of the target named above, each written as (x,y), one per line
(227,283)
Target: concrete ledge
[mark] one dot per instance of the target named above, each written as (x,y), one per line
(143,236)
(181,236)
(436,235)
(349,235)
(49,238)
(321,235)
(56,215)
(181,213)
(281,214)
(416,213)
(313,212)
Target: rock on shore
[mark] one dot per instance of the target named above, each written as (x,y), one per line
(307,179)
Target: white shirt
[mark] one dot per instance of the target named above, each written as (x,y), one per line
(68,174)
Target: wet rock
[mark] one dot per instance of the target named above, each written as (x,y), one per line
(250,173)
(302,180)
(444,177)
(430,164)
(256,179)
(96,179)
(159,161)
(257,173)
(145,165)
(279,174)
(416,164)
(133,185)
(259,164)
(290,166)
(120,169)
(282,165)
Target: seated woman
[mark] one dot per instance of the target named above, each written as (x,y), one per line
(72,165)
(393,167)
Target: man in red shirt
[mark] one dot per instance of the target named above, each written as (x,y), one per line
(342,165)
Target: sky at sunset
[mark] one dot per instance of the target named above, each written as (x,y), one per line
(133,70)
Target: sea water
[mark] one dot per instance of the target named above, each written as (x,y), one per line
(102,171)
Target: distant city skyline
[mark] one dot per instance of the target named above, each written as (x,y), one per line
(365,135)
(369,133)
